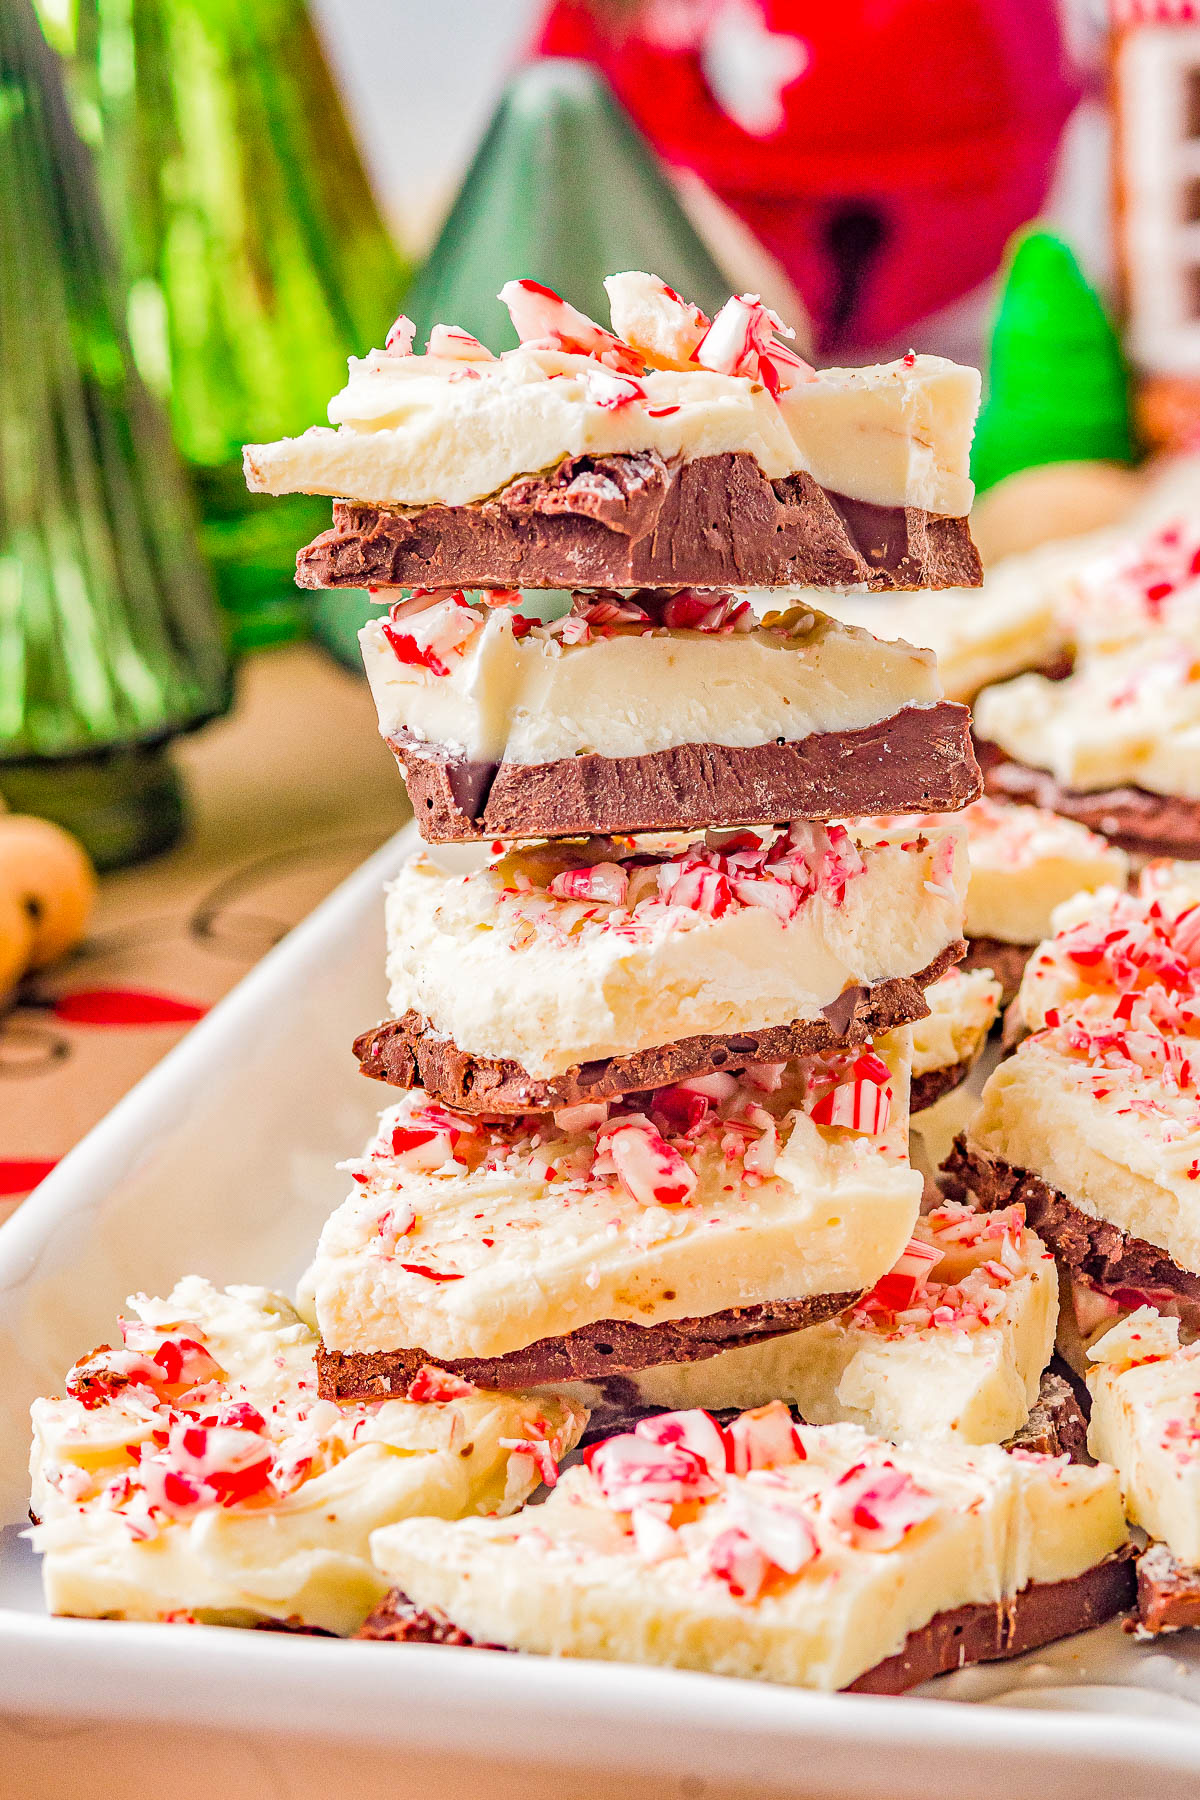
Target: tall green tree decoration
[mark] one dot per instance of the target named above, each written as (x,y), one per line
(251,247)
(109,640)
(1058,387)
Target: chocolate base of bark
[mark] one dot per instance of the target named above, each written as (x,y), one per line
(991,1631)
(408,1052)
(999,1630)
(1091,1247)
(607,1347)
(918,760)
(1006,962)
(934,1084)
(1056,1425)
(635,520)
(1168,1592)
(1143,823)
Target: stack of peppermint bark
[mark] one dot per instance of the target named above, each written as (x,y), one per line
(653,988)
(648,1013)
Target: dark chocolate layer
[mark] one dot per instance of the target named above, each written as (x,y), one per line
(927,1089)
(1006,961)
(637,521)
(1095,1248)
(1168,1591)
(918,760)
(1143,823)
(604,1348)
(994,1631)
(988,1631)
(407,1052)
(1056,1425)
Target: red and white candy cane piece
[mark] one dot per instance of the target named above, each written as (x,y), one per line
(436,636)
(650,1171)
(897,1290)
(781,1532)
(607,883)
(454,344)
(421,1148)
(650,316)
(630,1471)
(863,1103)
(735,1559)
(588,1115)
(696,886)
(539,1453)
(181,1355)
(435,1385)
(542,317)
(607,389)
(763,1438)
(741,341)
(399,340)
(695,1429)
(875,1508)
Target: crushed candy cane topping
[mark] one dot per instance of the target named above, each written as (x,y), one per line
(165,1434)
(650,1147)
(956,1274)
(745,339)
(747,1498)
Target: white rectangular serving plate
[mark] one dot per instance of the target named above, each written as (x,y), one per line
(222,1162)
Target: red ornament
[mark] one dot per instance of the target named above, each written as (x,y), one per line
(882,153)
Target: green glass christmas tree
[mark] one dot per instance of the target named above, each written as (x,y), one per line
(1058,388)
(251,247)
(562,188)
(109,640)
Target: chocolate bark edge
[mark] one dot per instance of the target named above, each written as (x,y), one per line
(1168,1592)
(1101,1251)
(999,1630)
(408,1052)
(1006,962)
(605,1347)
(981,1631)
(934,1084)
(1131,817)
(919,759)
(635,520)
(1056,1425)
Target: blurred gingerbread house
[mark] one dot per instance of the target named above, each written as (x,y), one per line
(1156,107)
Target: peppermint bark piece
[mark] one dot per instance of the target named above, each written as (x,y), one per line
(1025,862)
(951,1343)
(655,712)
(192,1473)
(662,1227)
(584,458)
(579,970)
(817,1557)
(963,1007)
(1113,746)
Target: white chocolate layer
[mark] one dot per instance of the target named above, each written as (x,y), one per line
(1145,1389)
(1025,861)
(1122,1143)
(539,1237)
(963,1005)
(296,1546)
(979,635)
(631,693)
(1127,716)
(506,969)
(418,431)
(571,1579)
(957,1353)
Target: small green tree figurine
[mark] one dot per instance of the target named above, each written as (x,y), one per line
(1058,388)
(109,640)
